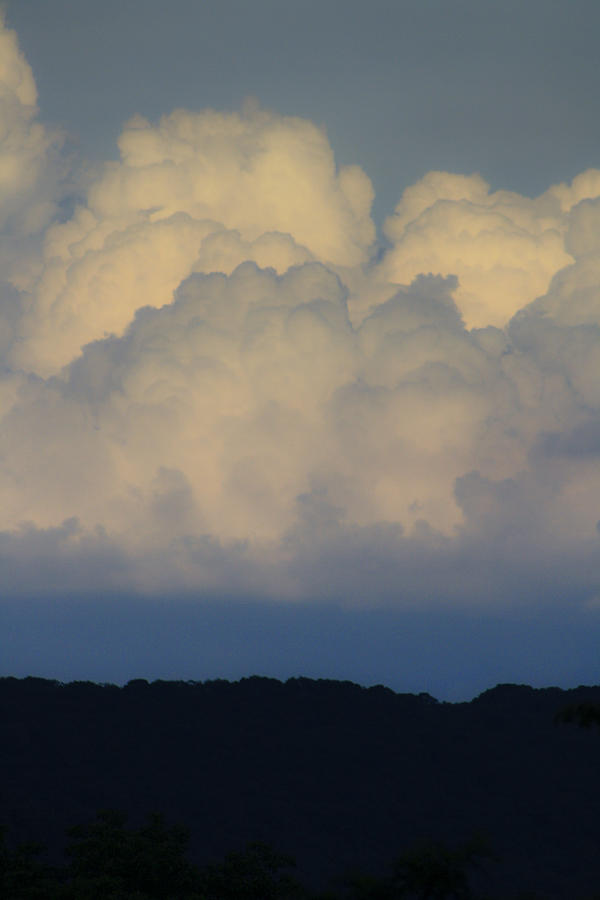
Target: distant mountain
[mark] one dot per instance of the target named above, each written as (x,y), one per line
(337,775)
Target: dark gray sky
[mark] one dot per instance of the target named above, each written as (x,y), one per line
(508,89)
(453,655)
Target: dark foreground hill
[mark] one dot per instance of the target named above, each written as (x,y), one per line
(336,775)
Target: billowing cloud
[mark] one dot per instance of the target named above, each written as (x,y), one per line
(28,173)
(209,384)
(504,248)
(31,174)
(198,192)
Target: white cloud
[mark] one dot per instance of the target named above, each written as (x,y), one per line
(27,177)
(197,192)
(31,170)
(503,247)
(207,380)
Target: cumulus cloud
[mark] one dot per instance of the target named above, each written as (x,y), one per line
(504,248)
(28,150)
(32,176)
(197,192)
(209,384)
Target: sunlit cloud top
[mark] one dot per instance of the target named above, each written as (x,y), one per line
(213,378)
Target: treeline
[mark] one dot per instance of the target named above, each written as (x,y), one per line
(342,776)
(107,860)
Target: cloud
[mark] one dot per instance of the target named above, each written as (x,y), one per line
(33,174)
(209,384)
(504,248)
(197,192)
(28,152)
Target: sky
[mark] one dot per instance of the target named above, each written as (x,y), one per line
(300,341)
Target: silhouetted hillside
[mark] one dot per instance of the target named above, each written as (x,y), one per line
(337,775)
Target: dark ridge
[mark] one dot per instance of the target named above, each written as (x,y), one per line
(337,775)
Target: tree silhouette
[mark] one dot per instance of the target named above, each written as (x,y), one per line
(429,870)
(585,714)
(22,875)
(433,871)
(254,874)
(109,860)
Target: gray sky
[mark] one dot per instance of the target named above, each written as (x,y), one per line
(508,89)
